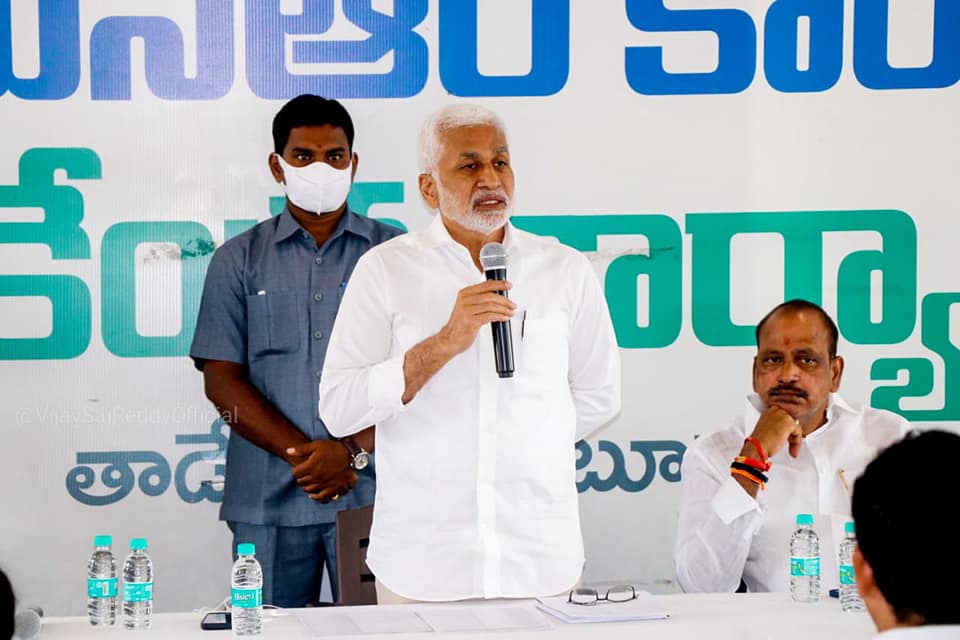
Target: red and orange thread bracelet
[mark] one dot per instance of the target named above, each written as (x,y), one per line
(759,475)
(756,444)
(753,462)
(748,476)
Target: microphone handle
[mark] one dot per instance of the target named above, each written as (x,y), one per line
(502,334)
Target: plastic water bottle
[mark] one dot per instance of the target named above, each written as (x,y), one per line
(850,599)
(805,561)
(137,586)
(102,584)
(246,592)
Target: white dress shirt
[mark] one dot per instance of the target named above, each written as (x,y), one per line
(723,534)
(476,479)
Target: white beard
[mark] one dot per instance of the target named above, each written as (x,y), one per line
(471,219)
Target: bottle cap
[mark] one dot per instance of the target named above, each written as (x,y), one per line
(246,549)
(804,519)
(102,541)
(138,543)
(849,528)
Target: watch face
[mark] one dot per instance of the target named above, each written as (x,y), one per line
(361,460)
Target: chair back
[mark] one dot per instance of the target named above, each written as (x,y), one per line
(354,579)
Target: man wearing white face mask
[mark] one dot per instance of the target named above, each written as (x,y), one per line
(269,301)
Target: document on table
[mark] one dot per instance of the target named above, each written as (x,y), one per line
(643,607)
(485,617)
(348,621)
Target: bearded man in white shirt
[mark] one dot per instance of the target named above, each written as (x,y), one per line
(797,450)
(476,494)
(906,563)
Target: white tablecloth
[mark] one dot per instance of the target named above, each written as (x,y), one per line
(693,617)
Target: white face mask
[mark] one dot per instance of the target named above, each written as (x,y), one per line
(317,187)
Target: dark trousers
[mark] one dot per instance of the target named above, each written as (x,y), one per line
(293,560)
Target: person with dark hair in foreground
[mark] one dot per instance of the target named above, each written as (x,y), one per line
(797,449)
(908,526)
(269,301)
(8,605)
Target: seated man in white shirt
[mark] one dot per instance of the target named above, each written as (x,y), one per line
(797,450)
(907,522)
(476,494)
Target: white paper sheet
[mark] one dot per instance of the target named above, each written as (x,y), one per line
(644,607)
(326,622)
(512,617)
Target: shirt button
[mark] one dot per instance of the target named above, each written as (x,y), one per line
(317,297)
(318,260)
(317,335)
(319,371)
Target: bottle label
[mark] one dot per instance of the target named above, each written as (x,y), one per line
(805,567)
(137,591)
(101,587)
(846,574)
(246,598)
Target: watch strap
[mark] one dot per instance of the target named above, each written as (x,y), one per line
(352,447)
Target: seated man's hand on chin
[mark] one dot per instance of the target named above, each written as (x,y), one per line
(775,429)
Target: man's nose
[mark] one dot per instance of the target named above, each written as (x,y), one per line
(488,177)
(788,370)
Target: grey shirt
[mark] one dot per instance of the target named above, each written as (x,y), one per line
(269,302)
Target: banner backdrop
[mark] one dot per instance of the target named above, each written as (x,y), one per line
(711,157)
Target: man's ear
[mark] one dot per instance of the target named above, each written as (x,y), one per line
(275,168)
(836,371)
(428,190)
(866,582)
(353,171)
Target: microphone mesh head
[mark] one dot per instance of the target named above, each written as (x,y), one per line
(493,255)
(26,625)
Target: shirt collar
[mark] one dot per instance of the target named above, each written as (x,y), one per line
(436,235)
(356,224)
(512,238)
(287,226)
(836,402)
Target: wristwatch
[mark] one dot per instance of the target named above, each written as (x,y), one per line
(359,458)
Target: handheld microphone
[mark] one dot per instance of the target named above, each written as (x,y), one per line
(26,624)
(493,259)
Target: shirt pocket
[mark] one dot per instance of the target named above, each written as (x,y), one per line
(273,323)
(841,485)
(541,349)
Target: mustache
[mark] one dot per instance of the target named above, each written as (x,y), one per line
(787,390)
(490,193)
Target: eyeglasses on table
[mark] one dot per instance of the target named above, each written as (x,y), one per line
(588,597)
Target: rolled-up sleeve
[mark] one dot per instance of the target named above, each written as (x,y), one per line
(361,383)
(717,522)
